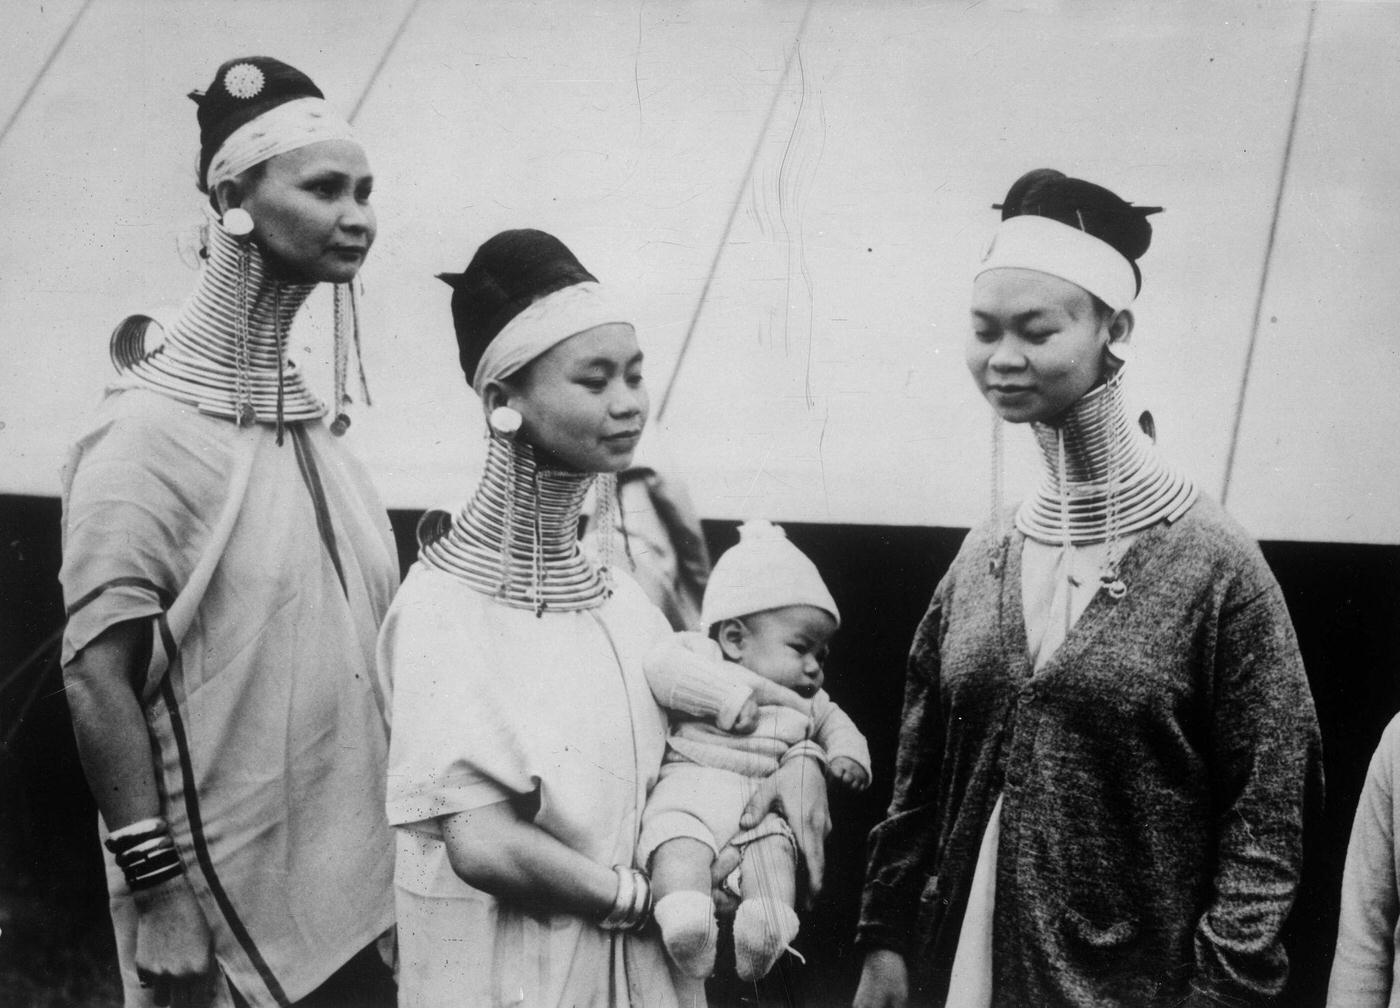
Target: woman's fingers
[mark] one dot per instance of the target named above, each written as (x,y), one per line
(724,888)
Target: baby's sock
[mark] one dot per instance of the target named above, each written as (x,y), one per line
(762,929)
(687,923)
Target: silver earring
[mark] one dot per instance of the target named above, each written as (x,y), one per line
(506,421)
(238,222)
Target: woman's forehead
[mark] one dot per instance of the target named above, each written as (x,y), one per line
(614,342)
(344,157)
(1017,291)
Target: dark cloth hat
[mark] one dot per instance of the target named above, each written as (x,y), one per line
(509,272)
(242,90)
(1090,208)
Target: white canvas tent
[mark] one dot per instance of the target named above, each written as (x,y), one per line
(794,192)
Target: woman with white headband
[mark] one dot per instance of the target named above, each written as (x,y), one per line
(226,567)
(525,738)
(1108,741)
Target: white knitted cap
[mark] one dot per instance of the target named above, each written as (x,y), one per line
(764,571)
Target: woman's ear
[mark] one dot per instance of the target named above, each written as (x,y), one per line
(227,196)
(494,395)
(731,637)
(1120,327)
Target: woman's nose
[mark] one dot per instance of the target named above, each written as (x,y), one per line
(355,216)
(626,402)
(1006,355)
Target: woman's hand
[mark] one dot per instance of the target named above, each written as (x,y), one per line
(849,773)
(767,692)
(884,981)
(797,792)
(747,718)
(174,946)
(724,864)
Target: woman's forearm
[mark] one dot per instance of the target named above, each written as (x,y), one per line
(494,850)
(113,741)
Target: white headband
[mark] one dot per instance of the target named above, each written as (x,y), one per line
(1048,246)
(285,127)
(548,322)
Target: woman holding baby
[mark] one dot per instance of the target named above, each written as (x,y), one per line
(525,738)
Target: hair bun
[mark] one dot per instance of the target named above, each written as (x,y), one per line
(1091,208)
(509,272)
(243,89)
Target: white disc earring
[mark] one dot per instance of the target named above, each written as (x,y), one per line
(238,222)
(506,421)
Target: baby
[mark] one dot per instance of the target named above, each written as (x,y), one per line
(770,617)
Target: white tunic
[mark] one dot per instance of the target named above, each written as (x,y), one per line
(493,703)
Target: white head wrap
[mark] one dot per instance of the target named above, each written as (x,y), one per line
(1048,246)
(285,127)
(544,324)
(764,571)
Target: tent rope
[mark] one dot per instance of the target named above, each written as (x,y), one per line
(792,60)
(43,70)
(1268,256)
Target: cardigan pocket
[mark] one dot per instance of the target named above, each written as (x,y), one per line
(1099,937)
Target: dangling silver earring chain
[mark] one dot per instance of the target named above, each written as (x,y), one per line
(355,331)
(998,525)
(1066,544)
(243,384)
(280,335)
(341,362)
(605,517)
(1108,577)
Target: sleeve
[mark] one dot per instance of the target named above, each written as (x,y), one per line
(1268,781)
(1365,956)
(835,732)
(457,740)
(687,676)
(138,500)
(900,845)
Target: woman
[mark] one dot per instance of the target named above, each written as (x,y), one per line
(1365,966)
(1108,740)
(226,566)
(524,737)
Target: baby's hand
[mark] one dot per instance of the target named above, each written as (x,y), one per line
(849,773)
(747,718)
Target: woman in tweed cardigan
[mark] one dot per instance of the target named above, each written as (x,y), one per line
(1108,742)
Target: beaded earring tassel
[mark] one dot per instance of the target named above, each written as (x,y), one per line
(503,589)
(341,301)
(1000,537)
(1108,576)
(355,334)
(280,335)
(605,511)
(244,414)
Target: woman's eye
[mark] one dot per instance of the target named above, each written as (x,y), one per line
(984,335)
(594,384)
(635,380)
(1040,336)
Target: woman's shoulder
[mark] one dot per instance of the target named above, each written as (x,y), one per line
(1208,540)
(142,425)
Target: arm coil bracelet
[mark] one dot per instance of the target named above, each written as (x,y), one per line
(631,908)
(804,748)
(145,853)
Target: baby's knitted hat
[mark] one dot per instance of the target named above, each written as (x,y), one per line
(764,571)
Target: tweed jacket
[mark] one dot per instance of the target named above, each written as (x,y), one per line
(1155,775)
